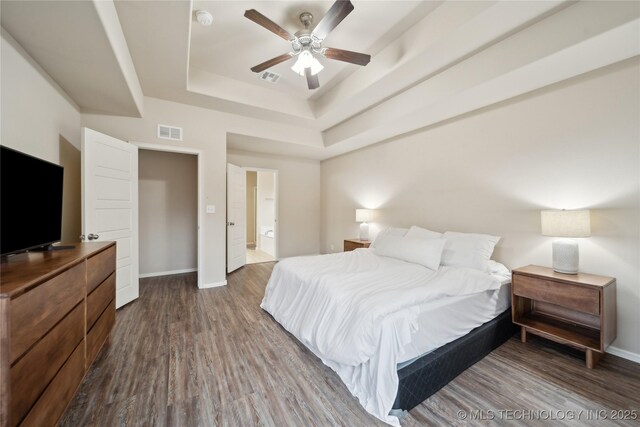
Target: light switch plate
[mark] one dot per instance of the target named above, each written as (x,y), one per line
(211,209)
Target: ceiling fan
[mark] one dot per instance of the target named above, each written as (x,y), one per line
(307,44)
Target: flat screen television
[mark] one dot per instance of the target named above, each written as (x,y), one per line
(30,202)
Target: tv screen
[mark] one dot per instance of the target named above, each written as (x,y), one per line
(30,202)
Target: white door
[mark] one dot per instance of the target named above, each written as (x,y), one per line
(110,204)
(236,216)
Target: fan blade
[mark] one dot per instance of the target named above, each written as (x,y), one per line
(267,23)
(335,15)
(346,56)
(312,81)
(270,63)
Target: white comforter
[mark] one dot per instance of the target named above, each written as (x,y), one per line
(356,311)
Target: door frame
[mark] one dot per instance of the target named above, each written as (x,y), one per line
(276,196)
(200,156)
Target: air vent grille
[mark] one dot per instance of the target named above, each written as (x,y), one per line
(269,76)
(170,132)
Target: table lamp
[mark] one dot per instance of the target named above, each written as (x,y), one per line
(363,216)
(566,224)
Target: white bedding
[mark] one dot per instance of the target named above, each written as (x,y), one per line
(455,317)
(358,312)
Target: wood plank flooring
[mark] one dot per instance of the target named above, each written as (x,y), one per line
(180,356)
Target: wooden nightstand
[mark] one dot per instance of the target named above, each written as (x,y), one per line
(578,310)
(351,244)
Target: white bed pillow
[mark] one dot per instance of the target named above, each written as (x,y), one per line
(494,267)
(388,232)
(468,250)
(425,252)
(416,231)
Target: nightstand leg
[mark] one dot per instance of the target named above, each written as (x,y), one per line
(523,334)
(593,357)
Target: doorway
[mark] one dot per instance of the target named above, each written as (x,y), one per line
(171,185)
(168,205)
(261,215)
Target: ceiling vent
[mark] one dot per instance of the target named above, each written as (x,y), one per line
(169,132)
(269,76)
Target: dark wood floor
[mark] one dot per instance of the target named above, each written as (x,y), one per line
(186,357)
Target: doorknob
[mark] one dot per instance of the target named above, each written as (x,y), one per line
(231,223)
(93,237)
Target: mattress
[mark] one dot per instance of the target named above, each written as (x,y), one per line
(421,379)
(447,319)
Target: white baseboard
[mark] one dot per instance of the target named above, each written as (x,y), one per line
(213,285)
(167,273)
(634,357)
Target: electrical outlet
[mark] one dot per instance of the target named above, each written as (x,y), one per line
(211,208)
(331,247)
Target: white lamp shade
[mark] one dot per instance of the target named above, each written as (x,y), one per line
(566,223)
(307,60)
(364,215)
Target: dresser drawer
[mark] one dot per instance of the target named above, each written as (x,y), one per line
(98,300)
(31,374)
(51,405)
(579,298)
(99,267)
(97,335)
(35,313)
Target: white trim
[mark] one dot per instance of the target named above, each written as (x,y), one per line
(168,273)
(629,355)
(276,196)
(212,285)
(200,156)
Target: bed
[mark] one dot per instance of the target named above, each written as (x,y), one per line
(380,322)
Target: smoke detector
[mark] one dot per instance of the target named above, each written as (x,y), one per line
(204,17)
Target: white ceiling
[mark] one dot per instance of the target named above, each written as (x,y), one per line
(233,44)
(431,61)
(80,45)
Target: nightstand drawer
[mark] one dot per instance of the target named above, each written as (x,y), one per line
(579,298)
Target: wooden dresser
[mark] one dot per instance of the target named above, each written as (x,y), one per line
(578,310)
(57,310)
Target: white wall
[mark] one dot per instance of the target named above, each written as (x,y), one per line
(266,210)
(203,131)
(168,209)
(39,119)
(206,130)
(298,200)
(571,145)
(252,183)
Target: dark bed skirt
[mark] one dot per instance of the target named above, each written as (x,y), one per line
(433,371)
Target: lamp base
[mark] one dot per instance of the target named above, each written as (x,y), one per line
(565,256)
(364,231)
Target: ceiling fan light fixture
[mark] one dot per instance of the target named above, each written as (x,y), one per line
(307,60)
(307,44)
